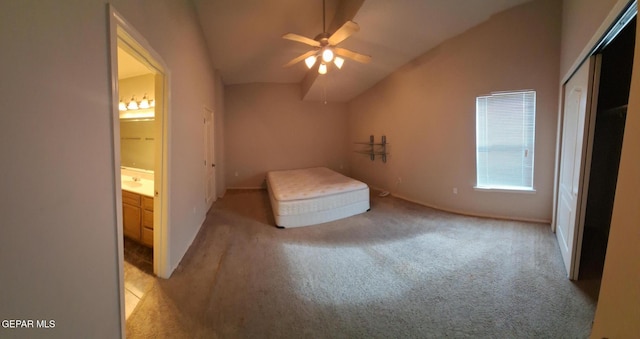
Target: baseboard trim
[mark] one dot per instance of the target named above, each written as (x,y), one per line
(465,213)
(247,188)
(472,214)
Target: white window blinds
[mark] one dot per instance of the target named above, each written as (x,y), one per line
(505,133)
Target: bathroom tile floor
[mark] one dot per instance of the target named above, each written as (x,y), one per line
(138,273)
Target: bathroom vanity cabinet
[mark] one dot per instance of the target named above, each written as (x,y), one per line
(137,217)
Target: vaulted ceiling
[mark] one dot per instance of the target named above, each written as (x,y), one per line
(245,42)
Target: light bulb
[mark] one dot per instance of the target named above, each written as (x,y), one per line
(338,61)
(133,104)
(145,102)
(322,69)
(310,61)
(327,55)
(122,106)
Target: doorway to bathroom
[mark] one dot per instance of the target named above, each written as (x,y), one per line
(138,136)
(140,93)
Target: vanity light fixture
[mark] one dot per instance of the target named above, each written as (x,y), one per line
(122,106)
(144,103)
(133,104)
(137,110)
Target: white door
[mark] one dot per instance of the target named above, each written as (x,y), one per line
(571,188)
(210,166)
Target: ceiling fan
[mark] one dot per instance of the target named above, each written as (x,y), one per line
(325,46)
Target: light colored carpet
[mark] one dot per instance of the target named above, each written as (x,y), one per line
(401,270)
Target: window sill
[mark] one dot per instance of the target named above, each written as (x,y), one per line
(505,189)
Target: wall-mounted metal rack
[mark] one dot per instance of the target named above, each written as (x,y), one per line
(373,149)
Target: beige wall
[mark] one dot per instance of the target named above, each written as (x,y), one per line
(580,20)
(427,111)
(268,127)
(58,255)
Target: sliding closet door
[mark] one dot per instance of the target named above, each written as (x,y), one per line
(578,94)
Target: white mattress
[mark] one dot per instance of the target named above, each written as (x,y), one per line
(310,196)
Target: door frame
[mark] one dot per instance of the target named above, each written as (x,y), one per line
(210,153)
(119,28)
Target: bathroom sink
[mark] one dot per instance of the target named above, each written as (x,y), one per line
(137,181)
(132,183)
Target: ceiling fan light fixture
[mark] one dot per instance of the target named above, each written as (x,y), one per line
(322,69)
(310,61)
(327,55)
(323,47)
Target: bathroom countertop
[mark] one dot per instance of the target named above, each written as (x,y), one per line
(137,181)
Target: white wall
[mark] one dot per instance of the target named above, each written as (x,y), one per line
(427,111)
(58,255)
(268,127)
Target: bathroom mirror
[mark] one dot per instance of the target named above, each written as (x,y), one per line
(137,143)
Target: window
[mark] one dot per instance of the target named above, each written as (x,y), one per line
(505,133)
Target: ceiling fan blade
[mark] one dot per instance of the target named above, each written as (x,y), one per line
(365,59)
(300,38)
(343,32)
(300,58)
